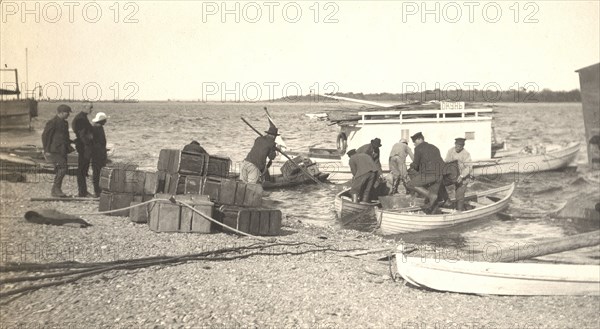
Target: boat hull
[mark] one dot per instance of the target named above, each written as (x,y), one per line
(528,164)
(279,181)
(526,279)
(519,166)
(344,207)
(397,222)
(17,114)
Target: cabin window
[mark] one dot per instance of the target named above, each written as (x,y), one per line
(470,135)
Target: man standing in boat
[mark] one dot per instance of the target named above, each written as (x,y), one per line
(57,144)
(397,162)
(254,166)
(461,159)
(364,173)
(426,171)
(83,143)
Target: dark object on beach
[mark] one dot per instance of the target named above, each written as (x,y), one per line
(12,176)
(53,217)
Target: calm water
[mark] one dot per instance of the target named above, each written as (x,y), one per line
(139,130)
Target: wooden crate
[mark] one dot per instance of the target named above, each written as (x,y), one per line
(127,181)
(112,179)
(166,216)
(228,191)
(151,183)
(255,221)
(139,214)
(218,166)
(115,200)
(177,161)
(182,184)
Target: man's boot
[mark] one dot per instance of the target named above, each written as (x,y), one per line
(430,198)
(57,192)
(395,184)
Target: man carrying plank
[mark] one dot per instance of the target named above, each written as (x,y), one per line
(254,165)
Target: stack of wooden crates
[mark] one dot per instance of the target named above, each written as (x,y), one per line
(203,182)
(123,186)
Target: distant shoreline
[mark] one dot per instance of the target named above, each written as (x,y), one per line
(473,96)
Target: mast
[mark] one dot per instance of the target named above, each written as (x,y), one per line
(26,74)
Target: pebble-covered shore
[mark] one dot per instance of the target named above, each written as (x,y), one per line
(306,280)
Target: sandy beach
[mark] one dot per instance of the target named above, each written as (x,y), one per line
(304,279)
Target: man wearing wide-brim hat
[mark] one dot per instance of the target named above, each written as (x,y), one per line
(57,144)
(372,149)
(460,158)
(255,165)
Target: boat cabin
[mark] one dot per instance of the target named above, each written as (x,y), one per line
(440,128)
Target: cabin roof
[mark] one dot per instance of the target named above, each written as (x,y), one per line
(590,67)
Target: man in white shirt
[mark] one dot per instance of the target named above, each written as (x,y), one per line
(465,169)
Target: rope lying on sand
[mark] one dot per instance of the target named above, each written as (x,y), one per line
(89,269)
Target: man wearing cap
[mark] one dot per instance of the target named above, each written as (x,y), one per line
(99,155)
(460,158)
(254,166)
(427,171)
(57,144)
(397,162)
(83,144)
(364,173)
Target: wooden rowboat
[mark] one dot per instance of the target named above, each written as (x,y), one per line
(553,158)
(525,279)
(344,207)
(395,221)
(279,181)
(30,158)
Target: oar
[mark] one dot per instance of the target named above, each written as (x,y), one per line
(285,155)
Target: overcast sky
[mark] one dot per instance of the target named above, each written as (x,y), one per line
(154,50)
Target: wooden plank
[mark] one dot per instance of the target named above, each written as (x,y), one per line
(275,222)
(240,194)
(538,249)
(228,192)
(264,218)
(199,223)
(254,228)
(169,217)
(185,221)
(243,221)
(253,196)
(150,183)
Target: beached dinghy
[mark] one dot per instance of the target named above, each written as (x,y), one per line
(489,202)
(527,279)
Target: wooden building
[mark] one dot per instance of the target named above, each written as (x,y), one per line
(589,80)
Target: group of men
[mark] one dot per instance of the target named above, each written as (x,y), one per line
(90,143)
(428,174)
